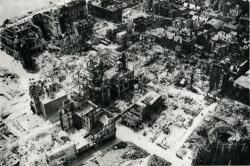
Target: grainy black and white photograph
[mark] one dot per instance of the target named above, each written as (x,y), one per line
(124,82)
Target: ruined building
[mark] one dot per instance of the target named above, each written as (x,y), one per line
(225,147)
(104,83)
(140,110)
(139,24)
(110,10)
(60,20)
(115,82)
(61,154)
(97,121)
(25,40)
(242,88)
(101,10)
(66,115)
(22,41)
(162,9)
(173,40)
(46,99)
(170,9)
(72,12)
(49,25)
(92,126)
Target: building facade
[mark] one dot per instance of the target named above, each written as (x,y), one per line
(140,110)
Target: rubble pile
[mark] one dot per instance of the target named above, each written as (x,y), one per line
(189,104)
(25,153)
(5,74)
(10,90)
(226,148)
(6,136)
(237,109)
(10,80)
(163,66)
(134,153)
(157,161)
(98,61)
(60,69)
(119,154)
(223,137)
(31,151)
(120,145)
(76,43)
